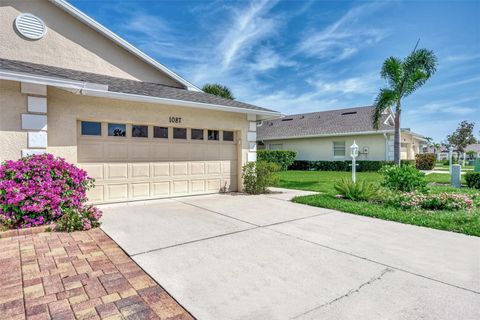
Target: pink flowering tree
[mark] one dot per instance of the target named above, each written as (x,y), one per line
(40,189)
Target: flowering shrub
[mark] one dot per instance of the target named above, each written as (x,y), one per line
(441,201)
(38,189)
(404,178)
(84,219)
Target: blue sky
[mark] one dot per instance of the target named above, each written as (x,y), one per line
(302,56)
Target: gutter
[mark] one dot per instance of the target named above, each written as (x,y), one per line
(100,90)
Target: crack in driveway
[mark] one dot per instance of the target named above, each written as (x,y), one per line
(349,293)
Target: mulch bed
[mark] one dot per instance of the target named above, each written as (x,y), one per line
(79,275)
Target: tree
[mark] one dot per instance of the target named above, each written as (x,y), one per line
(218,90)
(403,77)
(463,136)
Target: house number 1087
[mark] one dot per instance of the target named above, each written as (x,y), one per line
(175,120)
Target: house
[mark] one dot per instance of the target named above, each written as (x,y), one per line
(328,135)
(73,88)
(474,150)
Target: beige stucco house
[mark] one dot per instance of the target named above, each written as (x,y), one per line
(71,87)
(328,135)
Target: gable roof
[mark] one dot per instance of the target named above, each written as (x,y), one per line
(65,6)
(324,123)
(94,84)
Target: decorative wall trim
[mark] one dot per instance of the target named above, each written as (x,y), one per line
(37,139)
(32,88)
(35,121)
(37,104)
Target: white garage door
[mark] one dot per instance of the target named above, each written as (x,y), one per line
(135,162)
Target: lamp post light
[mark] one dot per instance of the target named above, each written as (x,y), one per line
(450,158)
(354,155)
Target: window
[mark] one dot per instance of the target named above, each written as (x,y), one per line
(213,135)
(140,131)
(160,132)
(228,135)
(197,134)
(91,128)
(116,130)
(179,133)
(275,146)
(339,148)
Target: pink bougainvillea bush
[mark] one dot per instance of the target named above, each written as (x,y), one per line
(40,189)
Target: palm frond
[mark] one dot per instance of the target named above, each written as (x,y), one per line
(392,71)
(386,98)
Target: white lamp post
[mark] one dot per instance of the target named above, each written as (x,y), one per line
(450,158)
(354,155)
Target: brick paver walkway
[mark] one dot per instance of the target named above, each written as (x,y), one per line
(81,275)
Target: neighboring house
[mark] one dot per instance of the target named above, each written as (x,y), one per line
(71,87)
(328,135)
(475,148)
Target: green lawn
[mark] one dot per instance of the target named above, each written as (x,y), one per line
(467,222)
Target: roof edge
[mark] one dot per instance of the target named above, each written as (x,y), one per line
(78,14)
(330,135)
(99,90)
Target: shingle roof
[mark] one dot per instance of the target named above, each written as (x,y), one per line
(124,85)
(473,147)
(341,121)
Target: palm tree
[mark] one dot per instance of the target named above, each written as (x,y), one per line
(403,76)
(218,90)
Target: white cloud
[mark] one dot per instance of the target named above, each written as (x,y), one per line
(452,107)
(344,37)
(357,85)
(267,59)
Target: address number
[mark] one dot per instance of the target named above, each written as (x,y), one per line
(175,120)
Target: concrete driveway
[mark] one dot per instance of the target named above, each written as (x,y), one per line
(263,257)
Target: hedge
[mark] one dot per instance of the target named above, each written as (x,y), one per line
(362,165)
(425,161)
(473,179)
(284,158)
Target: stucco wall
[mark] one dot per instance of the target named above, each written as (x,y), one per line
(69,44)
(12,105)
(322,148)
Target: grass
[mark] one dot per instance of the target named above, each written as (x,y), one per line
(441,178)
(467,222)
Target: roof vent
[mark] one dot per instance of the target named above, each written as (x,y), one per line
(30,26)
(347,113)
(287,119)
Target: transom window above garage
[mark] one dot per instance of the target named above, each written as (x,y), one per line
(228,135)
(139,131)
(179,133)
(197,134)
(213,135)
(160,132)
(89,128)
(117,130)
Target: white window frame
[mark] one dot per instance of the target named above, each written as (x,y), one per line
(334,148)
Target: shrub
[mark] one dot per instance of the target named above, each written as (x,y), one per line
(258,176)
(473,179)
(362,165)
(425,161)
(283,158)
(442,201)
(359,191)
(38,189)
(84,219)
(404,178)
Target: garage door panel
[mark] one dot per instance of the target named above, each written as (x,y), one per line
(180,187)
(179,169)
(214,167)
(180,151)
(161,170)
(95,170)
(197,152)
(96,194)
(197,168)
(140,190)
(228,152)
(161,189)
(214,185)
(139,170)
(116,171)
(117,192)
(197,186)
